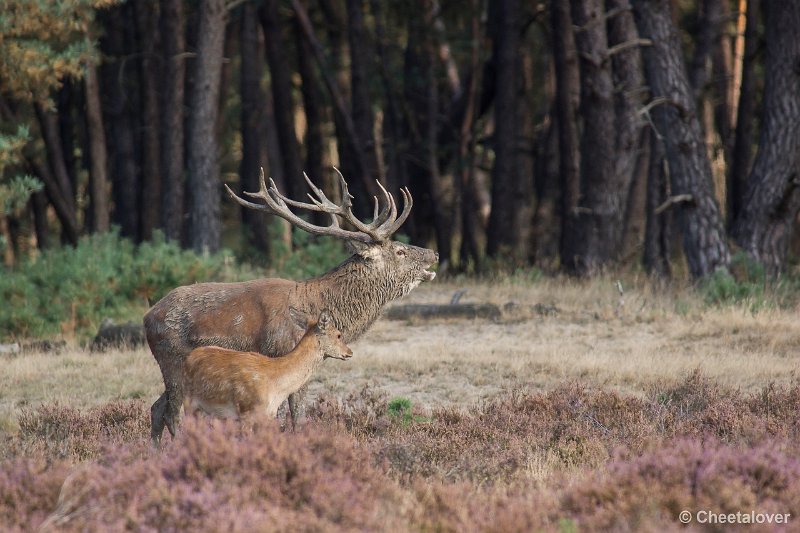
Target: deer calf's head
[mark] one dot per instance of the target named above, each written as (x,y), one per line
(330,338)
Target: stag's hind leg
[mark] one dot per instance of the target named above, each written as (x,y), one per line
(166,411)
(157,420)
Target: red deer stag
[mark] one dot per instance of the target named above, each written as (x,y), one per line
(231,384)
(270,316)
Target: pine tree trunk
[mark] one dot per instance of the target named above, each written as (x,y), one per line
(765,223)
(59,188)
(631,141)
(173,42)
(314,112)
(146,25)
(40,225)
(743,144)
(253,139)
(603,191)
(503,232)
(675,116)
(361,52)
(116,45)
(656,235)
(567,94)
(203,167)
(98,157)
(281,82)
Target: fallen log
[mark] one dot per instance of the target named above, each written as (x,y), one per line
(428,311)
(110,335)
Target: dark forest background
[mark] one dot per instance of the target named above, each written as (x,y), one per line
(572,135)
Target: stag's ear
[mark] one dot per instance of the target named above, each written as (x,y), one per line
(367,251)
(325,319)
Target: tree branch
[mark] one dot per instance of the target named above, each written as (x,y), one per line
(674,200)
(617,48)
(330,83)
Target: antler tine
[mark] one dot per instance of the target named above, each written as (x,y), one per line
(347,211)
(262,194)
(277,204)
(408,203)
(389,211)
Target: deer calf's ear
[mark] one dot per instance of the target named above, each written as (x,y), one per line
(325,319)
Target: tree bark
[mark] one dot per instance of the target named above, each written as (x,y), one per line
(602,190)
(253,138)
(146,25)
(675,116)
(567,94)
(657,235)
(314,112)
(40,225)
(743,143)
(281,82)
(465,162)
(361,52)
(116,44)
(631,142)
(203,167)
(98,156)
(173,42)
(504,219)
(765,223)
(59,186)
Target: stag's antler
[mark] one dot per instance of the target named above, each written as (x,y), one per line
(385,221)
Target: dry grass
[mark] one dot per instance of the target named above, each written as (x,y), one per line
(602,339)
(614,413)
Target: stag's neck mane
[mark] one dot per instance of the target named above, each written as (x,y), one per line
(355,292)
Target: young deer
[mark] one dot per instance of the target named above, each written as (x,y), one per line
(228,383)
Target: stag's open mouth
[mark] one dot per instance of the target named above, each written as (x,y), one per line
(427,275)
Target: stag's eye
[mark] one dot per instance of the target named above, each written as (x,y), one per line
(401,253)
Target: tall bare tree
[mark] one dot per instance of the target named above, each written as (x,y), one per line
(147,28)
(631,144)
(117,43)
(766,221)
(674,113)
(567,95)
(602,188)
(202,164)
(281,83)
(504,221)
(254,145)
(361,57)
(173,42)
(743,143)
(98,156)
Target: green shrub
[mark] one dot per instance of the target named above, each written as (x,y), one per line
(310,255)
(70,290)
(747,287)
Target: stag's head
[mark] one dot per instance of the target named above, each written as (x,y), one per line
(330,338)
(400,266)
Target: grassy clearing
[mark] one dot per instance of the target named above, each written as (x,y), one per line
(617,411)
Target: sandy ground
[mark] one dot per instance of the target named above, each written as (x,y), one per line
(593,334)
